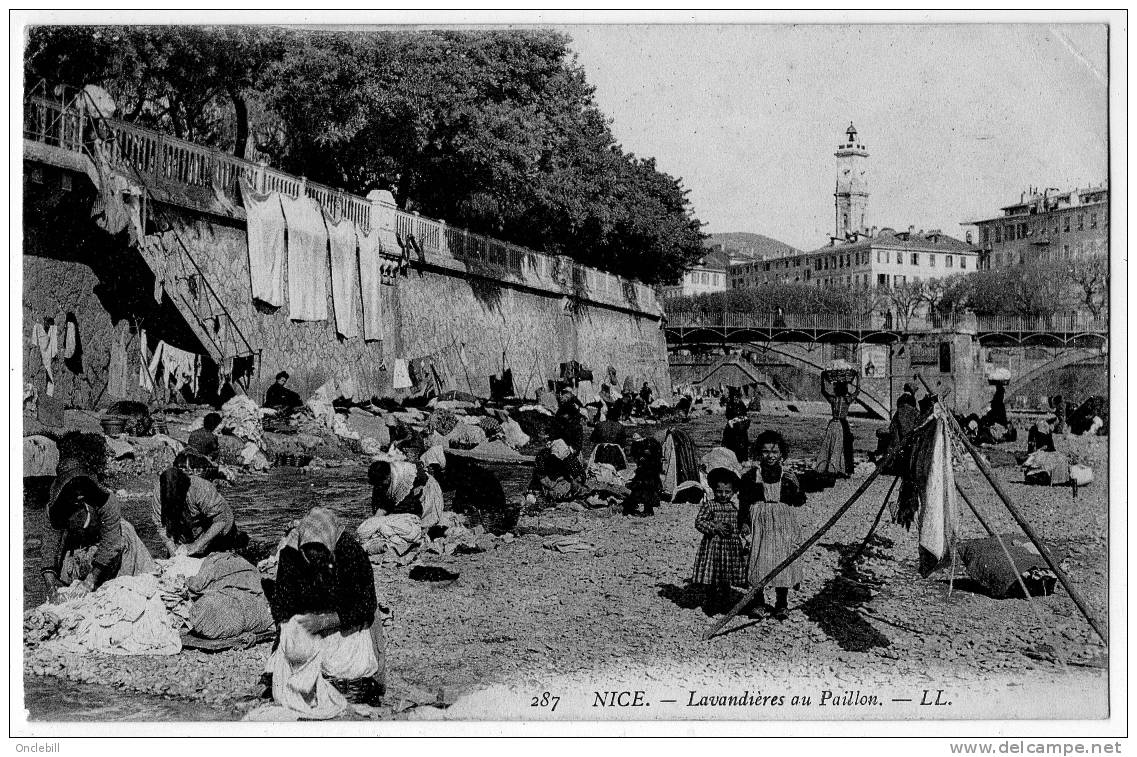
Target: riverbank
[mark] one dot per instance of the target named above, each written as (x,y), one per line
(522,618)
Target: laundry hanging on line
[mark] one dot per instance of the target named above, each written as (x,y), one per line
(266,244)
(47,340)
(502,386)
(73,345)
(145,376)
(307,259)
(345,276)
(177,367)
(373,265)
(401,378)
(118,370)
(927,492)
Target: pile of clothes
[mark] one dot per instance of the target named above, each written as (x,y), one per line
(125,616)
(241,417)
(228,600)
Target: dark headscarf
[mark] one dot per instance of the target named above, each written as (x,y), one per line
(72,477)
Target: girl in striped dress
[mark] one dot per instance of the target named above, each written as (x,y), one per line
(720,562)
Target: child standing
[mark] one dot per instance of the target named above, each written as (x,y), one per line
(768,513)
(720,563)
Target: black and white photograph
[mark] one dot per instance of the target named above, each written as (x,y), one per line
(392,373)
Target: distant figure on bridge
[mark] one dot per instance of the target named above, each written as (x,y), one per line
(836,455)
(736,434)
(779,317)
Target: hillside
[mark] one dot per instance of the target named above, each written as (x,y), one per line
(752,245)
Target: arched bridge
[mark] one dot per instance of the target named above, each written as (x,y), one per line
(1077,330)
(954,350)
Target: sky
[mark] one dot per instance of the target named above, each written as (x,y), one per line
(958,120)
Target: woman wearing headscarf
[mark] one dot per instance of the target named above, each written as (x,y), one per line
(88,542)
(400,486)
(557,473)
(191,516)
(324,600)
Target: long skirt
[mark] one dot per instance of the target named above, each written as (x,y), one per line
(776,534)
(836,454)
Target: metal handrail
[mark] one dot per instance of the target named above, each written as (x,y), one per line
(1059,323)
(156,154)
(152,160)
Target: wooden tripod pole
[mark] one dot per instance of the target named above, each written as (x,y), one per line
(875,523)
(985,469)
(717,625)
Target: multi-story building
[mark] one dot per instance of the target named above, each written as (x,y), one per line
(1046,226)
(708,275)
(874,259)
(858,257)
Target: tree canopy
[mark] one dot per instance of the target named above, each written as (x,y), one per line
(496,131)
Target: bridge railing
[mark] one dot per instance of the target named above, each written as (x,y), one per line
(153,153)
(1062,323)
(1058,323)
(803,321)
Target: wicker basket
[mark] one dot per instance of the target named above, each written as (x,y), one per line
(839,374)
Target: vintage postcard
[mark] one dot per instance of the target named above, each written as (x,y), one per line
(399,374)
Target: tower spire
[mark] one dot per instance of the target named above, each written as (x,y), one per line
(851,195)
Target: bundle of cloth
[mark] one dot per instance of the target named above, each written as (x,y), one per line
(125,616)
(1047,468)
(41,456)
(399,533)
(229,598)
(241,417)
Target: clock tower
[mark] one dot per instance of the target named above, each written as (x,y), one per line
(852,193)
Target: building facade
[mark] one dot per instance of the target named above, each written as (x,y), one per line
(884,258)
(858,257)
(708,275)
(1045,226)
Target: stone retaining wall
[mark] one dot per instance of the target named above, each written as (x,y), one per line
(439,307)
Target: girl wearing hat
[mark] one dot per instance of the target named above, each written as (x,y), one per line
(720,561)
(770,499)
(88,542)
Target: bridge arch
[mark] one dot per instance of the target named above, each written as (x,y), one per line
(1061,360)
(866,399)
